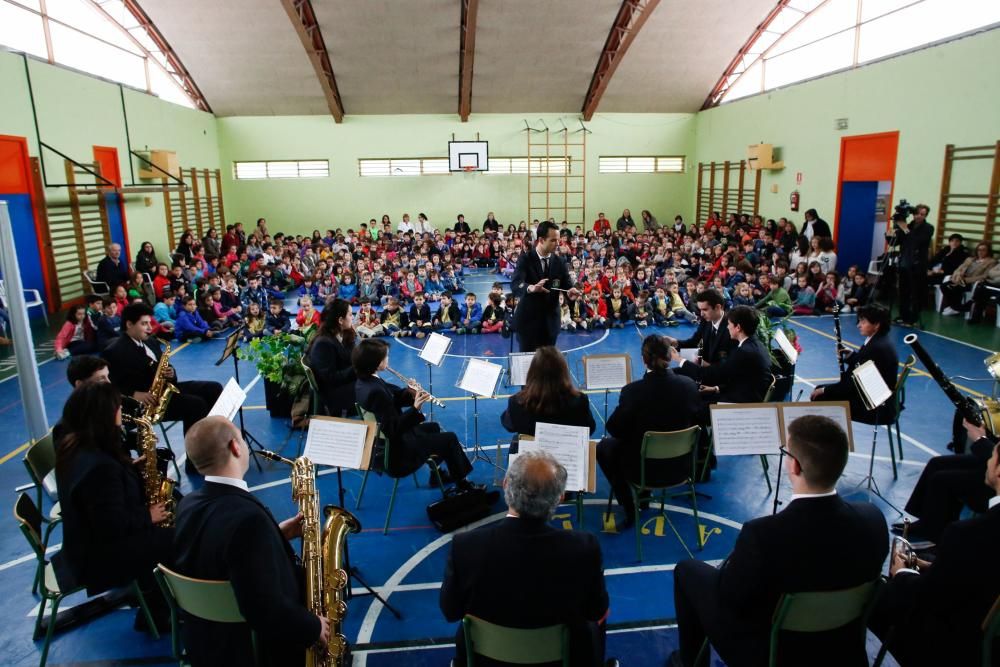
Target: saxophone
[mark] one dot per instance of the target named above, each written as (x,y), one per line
(161,390)
(322,559)
(159,488)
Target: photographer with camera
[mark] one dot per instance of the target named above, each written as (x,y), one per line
(914,239)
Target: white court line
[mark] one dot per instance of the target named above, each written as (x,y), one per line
(392,584)
(495,358)
(960,342)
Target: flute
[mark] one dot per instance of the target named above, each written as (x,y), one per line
(413,384)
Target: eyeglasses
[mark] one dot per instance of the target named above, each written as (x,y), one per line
(784,450)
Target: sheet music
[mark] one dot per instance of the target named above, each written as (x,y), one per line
(838,413)
(336,443)
(435,348)
(606,372)
(689,354)
(481,377)
(569,446)
(786,345)
(872,385)
(520,362)
(739,431)
(230,400)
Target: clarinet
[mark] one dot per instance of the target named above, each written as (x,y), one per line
(967,406)
(840,340)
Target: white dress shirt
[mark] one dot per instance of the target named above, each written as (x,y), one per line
(228,481)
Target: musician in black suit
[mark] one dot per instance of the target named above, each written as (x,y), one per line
(563,584)
(744,375)
(936,610)
(874,324)
(132,361)
(110,536)
(819,542)
(224,533)
(660,401)
(712,335)
(539,273)
(330,358)
(400,420)
(548,396)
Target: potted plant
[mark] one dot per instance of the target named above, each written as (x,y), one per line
(766,328)
(277,358)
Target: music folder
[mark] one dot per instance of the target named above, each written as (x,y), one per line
(583,463)
(873,389)
(340,443)
(762,428)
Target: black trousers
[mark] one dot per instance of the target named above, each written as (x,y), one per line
(945,485)
(426,440)
(912,292)
(193,402)
(619,461)
(533,337)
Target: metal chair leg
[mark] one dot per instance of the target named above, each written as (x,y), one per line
(892,453)
(361,492)
(51,629)
(38,619)
(153,630)
(899,440)
(635,515)
(697,521)
(392,501)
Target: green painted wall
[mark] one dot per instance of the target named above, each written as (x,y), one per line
(346,199)
(77,112)
(940,95)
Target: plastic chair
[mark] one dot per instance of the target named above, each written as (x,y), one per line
(991,631)
(380,436)
(515,645)
(207,599)
(820,611)
(98,287)
(30,520)
(315,406)
(663,447)
(33,299)
(39,461)
(898,400)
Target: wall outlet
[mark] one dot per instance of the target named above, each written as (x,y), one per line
(840,123)
(774,188)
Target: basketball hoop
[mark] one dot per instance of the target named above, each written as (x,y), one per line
(468,169)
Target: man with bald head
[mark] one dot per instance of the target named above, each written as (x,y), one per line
(225,533)
(113,270)
(557,575)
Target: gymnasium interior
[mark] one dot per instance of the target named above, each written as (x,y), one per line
(132,121)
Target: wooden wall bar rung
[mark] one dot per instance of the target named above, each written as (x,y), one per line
(735,194)
(974,215)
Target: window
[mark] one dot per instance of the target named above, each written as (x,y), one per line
(281,169)
(539,166)
(414,166)
(808,38)
(101,38)
(636,164)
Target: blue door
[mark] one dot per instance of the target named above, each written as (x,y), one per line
(113,202)
(856,225)
(26,241)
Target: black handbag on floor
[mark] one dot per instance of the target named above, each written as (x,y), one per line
(458,508)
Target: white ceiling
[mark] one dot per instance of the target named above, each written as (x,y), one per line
(399,57)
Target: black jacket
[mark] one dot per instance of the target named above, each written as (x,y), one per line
(881,351)
(111,273)
(108,536)
(540,310)
(397,419)
(814,544)
(914,246)
(564,583)
(659,401)
(224,533)
(944,608)
(129,368)
(330,361)
(715,345)
(573,412)
(820,227)
(453,314)
(743,376)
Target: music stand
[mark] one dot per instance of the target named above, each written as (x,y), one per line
(607,372)
(433,353)
(232,345)
(873,395)
(480,385)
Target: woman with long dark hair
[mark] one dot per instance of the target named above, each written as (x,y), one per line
(110,536)
(145,259)
(330,358)
(548,396)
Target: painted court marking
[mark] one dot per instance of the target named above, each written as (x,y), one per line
(494,358)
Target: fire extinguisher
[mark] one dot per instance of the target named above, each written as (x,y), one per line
(793,200)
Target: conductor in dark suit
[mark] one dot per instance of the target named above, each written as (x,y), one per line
(936,610)
(744,375)
(563,584)
(712,335)
(874,324)
(819,542)
(225,533)
(660,401)
(132,361)
(539,273)
(330,358)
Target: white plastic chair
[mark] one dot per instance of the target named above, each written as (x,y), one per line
(33,298)
(98,287)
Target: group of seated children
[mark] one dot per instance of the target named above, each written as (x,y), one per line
(468,318)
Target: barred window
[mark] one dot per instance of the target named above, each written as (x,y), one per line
(281,169)
(416,166)
(538,166)
(641,164)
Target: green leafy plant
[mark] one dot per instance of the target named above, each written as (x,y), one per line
(766,328)
(277,358)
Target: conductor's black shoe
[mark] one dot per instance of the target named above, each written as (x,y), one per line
(466,485)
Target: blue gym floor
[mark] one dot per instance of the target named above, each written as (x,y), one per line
(406,565)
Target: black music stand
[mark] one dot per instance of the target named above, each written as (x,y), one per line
(232,345)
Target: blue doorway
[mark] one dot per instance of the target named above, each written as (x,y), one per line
(856,227)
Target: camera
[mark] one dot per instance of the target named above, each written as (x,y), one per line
(902,211)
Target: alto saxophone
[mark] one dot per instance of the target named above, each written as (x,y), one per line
(322,559)
(161,390)
(159,488)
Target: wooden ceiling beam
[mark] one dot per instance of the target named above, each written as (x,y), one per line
(466,56)
(631,17)
(303,18)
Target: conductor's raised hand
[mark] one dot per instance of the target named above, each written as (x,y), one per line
(539,287)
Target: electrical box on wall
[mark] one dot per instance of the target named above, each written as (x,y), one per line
(761,156)
(840,123)
(165,160)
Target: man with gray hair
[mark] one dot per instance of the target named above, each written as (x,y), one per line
(562,578)
(113,270)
